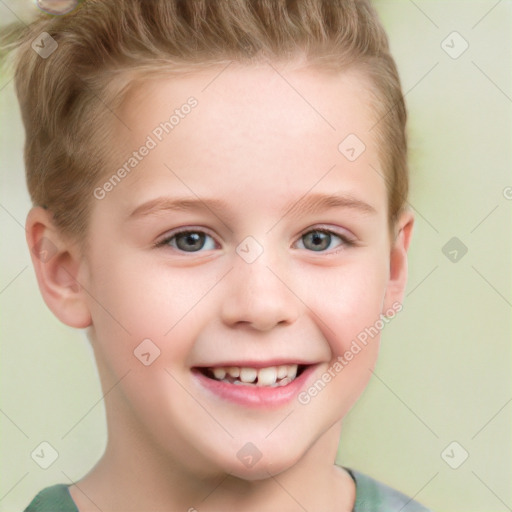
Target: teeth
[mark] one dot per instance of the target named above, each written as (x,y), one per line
(219,373)
(267,376)
(270,376)
(285,381)
(234,371)
(292,371)
(282,371)
(248,374)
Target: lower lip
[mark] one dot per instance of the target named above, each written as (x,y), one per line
(255,396)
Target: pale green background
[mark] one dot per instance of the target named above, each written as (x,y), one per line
(444,372)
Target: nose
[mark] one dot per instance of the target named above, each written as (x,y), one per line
(257,295)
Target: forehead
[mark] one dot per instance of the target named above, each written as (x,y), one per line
(265,126)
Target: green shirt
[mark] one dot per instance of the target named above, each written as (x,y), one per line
(371,496)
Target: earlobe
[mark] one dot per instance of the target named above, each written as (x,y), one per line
(398,261)
(57,264)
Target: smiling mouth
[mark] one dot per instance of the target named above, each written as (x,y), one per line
(271,376)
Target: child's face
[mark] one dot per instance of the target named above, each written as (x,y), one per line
(247,289)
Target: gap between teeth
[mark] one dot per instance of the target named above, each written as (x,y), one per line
(271,376)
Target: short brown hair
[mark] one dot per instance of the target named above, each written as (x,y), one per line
(68,100)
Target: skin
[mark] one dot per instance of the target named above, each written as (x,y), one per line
(257,144)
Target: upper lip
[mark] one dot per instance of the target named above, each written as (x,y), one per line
(257,364)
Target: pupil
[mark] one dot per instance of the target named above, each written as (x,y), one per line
(318,239)
(193,241)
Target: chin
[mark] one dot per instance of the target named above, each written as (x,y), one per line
(252,465)
(260,471)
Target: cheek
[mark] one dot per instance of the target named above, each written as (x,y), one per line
(133,301)
(349,300)
(348,304)
(349,308)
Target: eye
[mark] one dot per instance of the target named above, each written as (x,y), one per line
(189,241)
(320,240)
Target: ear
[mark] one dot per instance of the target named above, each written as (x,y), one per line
(398,261)
(58,267)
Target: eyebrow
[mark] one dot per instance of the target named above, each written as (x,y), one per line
(159,204)
(315,202)
(308,204)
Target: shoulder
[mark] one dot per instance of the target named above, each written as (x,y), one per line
(374,496)
(53,499)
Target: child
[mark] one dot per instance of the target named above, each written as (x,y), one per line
(270,136)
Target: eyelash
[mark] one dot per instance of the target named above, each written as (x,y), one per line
(346,242)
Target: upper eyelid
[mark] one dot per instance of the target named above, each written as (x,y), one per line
(324,229)
(178,231)
(346,236)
